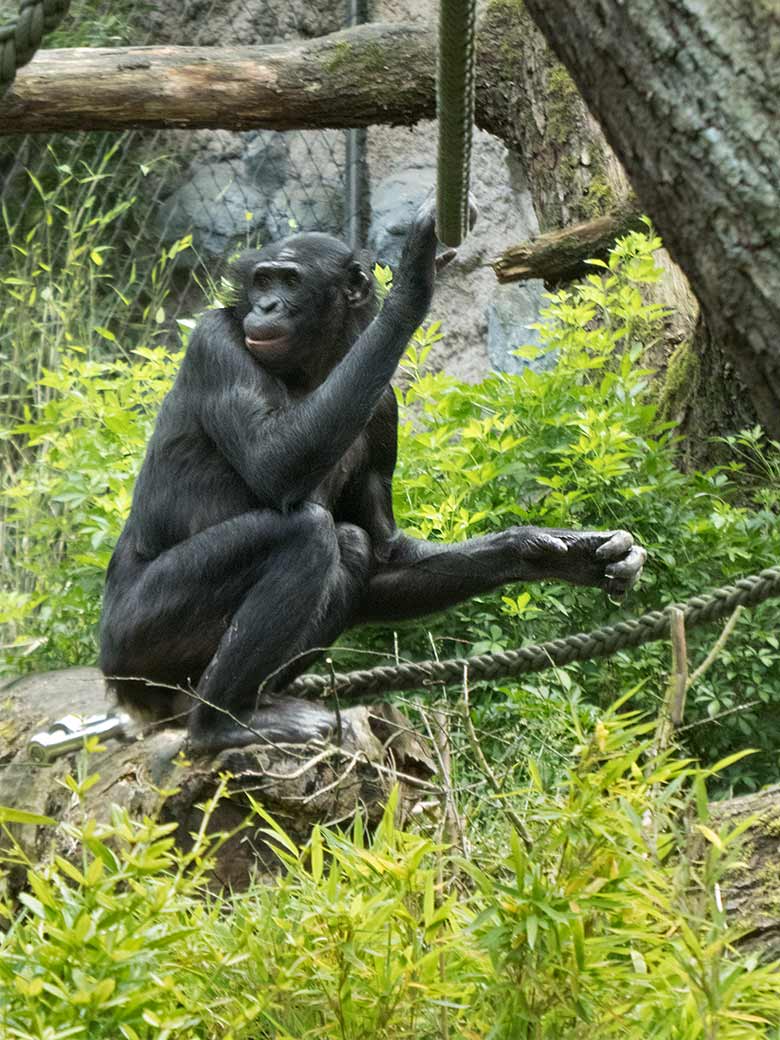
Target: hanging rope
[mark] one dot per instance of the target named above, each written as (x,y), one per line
(455,111)
(20,39)
(582,646)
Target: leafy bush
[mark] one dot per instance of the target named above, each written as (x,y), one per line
(66,506)
(581,445)
(605,918)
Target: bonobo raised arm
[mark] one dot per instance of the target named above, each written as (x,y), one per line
(262,524)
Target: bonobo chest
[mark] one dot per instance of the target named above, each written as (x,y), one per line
(338,490)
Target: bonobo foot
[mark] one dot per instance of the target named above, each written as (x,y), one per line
(608,560)
(284,721)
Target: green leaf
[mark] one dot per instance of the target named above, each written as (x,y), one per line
(8,815)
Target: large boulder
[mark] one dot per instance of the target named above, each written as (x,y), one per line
(219,206)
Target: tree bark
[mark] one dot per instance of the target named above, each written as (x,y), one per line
(369,74)
(527,99)
(561,256)
(751,889)
(688,95)
(702,396)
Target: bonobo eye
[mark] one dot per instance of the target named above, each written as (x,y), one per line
(270,274)
(261,279)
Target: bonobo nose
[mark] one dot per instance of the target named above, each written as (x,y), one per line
(269,304)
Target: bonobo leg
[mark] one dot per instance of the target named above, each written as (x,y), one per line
(420,577)
(228,610)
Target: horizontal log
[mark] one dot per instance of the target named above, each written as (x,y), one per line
(357,77)
(560,256)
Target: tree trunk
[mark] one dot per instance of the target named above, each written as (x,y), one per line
(688,95)
(526,98)
(701,395)
(750,892)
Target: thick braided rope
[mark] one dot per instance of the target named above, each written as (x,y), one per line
(20,39)
(455,111)
(582,646)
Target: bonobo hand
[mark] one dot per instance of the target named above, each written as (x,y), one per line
(608,560)
(419,262)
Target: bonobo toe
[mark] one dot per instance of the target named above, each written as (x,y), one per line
(617,545)
(622,574)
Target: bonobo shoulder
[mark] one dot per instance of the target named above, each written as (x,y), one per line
(213,327)
(214,340)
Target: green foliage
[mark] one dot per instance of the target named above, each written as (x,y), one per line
(59,279)
(605,919)
(121,942)
(582,445)
(67,503)
(74,418)
(90,24)
(609,919)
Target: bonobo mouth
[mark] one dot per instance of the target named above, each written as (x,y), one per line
(260,345)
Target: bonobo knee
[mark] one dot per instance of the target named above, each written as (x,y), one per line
(313,528)
(355,549)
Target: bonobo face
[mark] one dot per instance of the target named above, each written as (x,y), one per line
(299,299)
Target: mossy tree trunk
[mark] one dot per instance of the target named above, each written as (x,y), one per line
(527,98)
(703,396)
(688,95)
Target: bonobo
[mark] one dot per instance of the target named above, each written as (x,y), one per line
(262,523)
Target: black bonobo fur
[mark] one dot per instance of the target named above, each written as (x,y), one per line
(262,523)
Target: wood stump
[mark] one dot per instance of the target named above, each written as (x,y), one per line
(150,775)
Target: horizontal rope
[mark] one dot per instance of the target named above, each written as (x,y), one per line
(582,646)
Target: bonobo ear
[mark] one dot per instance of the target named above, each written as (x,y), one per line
(359,288)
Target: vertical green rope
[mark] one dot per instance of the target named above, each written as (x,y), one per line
(455,110)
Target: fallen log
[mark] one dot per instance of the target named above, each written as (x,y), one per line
(560,256)
(149,776)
